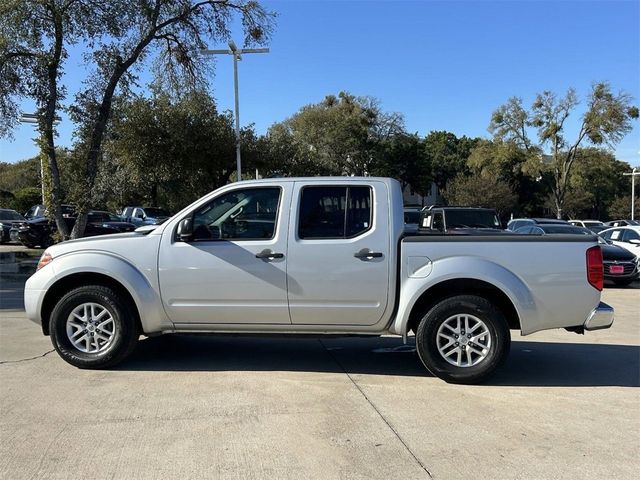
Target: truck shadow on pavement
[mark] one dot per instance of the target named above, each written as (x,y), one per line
(530,364)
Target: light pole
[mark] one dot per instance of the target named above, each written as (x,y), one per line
(633,190)
(32,118)
(237,55)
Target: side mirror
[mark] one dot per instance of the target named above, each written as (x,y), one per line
(185,229)
(635,241)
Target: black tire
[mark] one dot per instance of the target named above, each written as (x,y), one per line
(125,336)
(622,283)
(482,309)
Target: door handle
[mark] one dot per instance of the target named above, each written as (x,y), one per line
(268,254)
(366,254)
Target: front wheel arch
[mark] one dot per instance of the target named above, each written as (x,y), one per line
(63,286)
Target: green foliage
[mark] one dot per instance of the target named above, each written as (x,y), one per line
(620,207)
(170,151)
(606,121)
(22,174)
(402,156)
(482,190)
(25,198)
(447,155)
(338,136)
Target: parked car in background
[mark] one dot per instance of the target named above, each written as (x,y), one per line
(459,220)
(553,228)
(516,223)
(39,232)
(622,223)
(625,237)
(411,219)
(145,215)
(39,211)
(8,218)
(620,265)
(108,220)
(587,223)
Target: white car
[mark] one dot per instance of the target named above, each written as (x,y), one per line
(626,237)
(586,223)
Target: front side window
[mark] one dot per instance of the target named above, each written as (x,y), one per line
(247,214)
(334,212)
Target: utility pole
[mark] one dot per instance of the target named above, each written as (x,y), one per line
(32,119)
(633,190)
(237,55)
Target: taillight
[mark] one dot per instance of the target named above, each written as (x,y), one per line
(595,269)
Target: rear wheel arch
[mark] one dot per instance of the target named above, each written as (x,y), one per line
(64,285)
(463,286)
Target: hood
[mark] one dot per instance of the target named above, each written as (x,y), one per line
(613,252)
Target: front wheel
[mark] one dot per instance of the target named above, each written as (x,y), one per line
(463,339)
(91,327)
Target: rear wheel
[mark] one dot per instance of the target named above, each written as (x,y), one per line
(91,327)
(463,339)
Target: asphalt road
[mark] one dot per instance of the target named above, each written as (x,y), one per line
(564,406)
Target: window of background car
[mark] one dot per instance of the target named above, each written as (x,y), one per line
(629,235)
(10,215)
(246,214)
(334,212)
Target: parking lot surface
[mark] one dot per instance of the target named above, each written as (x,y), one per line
(564,406)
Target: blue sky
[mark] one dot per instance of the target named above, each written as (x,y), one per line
(444,65)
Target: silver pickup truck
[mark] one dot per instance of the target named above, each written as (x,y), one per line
(314,256)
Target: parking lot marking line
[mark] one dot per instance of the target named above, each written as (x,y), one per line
(355,384)
(30,358)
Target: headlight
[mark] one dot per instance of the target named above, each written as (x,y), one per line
(45,260)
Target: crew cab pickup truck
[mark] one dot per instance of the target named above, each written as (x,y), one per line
(314,256)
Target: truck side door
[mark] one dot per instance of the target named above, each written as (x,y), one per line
(339,246)
(233,271)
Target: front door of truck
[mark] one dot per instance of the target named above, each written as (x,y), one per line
(233,271)
(339,248)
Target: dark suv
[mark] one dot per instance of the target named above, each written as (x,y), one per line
(459,220)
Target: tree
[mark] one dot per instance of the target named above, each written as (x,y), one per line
(402,156)
(337,136)
(482,190)
(507,161)
(120,36)
(620,208)
(173,150)
(606,121)
(447,155)
(598,181)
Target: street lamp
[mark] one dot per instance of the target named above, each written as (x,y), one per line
(633,190)
(237,55)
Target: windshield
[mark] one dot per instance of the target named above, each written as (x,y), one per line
(10,215)
(156,212)
(471,219)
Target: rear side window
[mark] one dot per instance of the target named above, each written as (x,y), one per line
(334,212)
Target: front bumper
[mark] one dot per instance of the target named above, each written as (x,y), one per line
(599,318)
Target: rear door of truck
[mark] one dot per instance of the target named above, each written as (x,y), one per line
(338,266)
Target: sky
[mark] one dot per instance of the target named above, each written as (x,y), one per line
(445,65)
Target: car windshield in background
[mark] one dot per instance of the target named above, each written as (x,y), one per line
(10,215)
(566,229)
(411,217)
(471,219)
(156,212)
(99,217)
